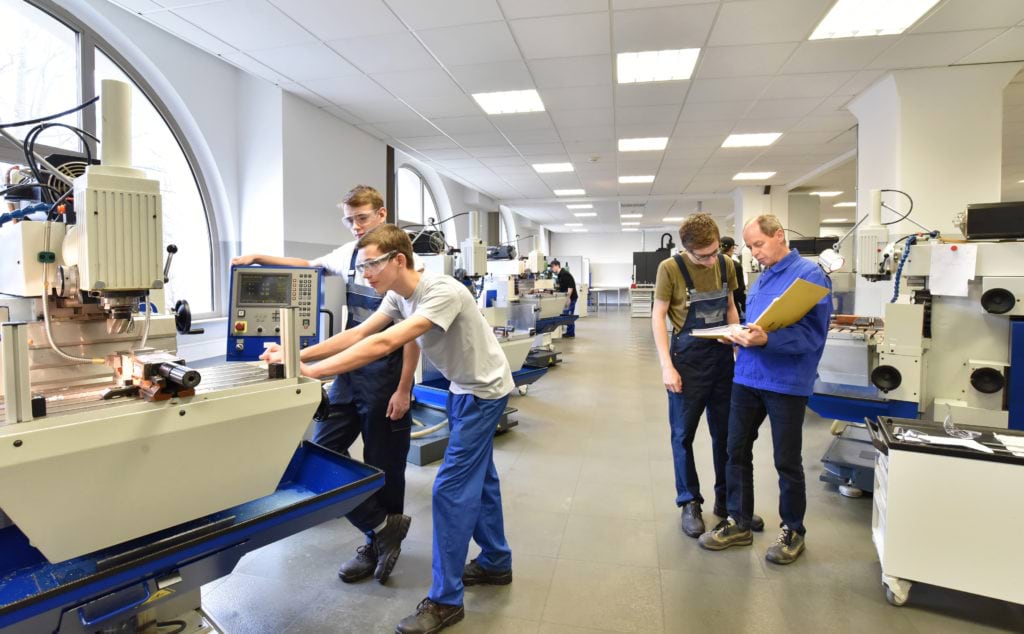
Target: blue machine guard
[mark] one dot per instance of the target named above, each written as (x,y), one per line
(36,595)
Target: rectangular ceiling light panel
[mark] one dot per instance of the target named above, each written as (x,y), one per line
(761,139)
(509,102)
(633,180)
(645,66)
(753,176)
(866,18)
(648,144)
(552,168)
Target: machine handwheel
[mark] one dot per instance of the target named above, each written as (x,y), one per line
(897,591)
(523,389)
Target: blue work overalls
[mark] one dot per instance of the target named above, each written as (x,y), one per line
(467,497)
(705,367)
(359,404)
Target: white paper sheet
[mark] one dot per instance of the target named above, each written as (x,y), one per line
(952,266)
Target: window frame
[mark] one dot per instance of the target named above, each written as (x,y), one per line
(88,41)
(425,191)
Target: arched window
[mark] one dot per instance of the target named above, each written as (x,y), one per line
(415,200)
(48,64)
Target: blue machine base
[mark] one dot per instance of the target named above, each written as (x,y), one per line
(107,587)
(855,410)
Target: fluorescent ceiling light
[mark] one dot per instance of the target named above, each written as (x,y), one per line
(570,192)
(753,176)
(585,214)
(643,145)
(632,68)
(864,18)
(509,102)
(574,224)
(631,224)
(847,204)
(760,139)
(632,180)
(552,168)
(631,216)
(672,219)
(580,206)
(629,229)
(835,220)
(579,230)
(826,194)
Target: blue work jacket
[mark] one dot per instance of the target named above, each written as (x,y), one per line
(788,363)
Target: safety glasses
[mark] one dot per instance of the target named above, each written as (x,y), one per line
(375,264)
(359,219)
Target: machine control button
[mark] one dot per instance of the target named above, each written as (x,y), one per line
(259,329)
(240,346)
(241,312)
(239,326)
(305,323)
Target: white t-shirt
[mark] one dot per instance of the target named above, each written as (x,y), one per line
(461,344)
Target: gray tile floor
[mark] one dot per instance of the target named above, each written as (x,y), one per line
(588,493)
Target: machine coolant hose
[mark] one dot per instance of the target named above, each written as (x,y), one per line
(911,240)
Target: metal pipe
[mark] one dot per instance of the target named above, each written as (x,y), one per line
(289,342)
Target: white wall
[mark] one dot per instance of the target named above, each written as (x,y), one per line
(260,176)
(323,158)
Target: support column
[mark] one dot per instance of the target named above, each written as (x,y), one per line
(935,133)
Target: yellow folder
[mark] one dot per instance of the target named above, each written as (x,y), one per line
(785,310)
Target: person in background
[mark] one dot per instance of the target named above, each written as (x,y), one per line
(373,401)
(694,290)
(774,377)
(739,295)
(456,338)
(566,283)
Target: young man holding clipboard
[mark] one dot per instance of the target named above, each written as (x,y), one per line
(774,375)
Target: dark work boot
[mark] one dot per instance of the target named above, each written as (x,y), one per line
(389,545)
(361,565)
(430,617)
(693,522)
(476,575)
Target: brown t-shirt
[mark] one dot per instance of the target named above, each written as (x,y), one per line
(670,286)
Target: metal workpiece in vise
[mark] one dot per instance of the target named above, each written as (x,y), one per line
(155,375)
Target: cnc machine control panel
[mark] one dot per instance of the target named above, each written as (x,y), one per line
(257,295)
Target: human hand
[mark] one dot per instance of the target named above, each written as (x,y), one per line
(673,382)
(243,260)
(398,405)
(272,354)
(752,336)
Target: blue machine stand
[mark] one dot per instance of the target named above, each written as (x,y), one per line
(108,588)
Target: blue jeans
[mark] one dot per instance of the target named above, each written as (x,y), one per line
(570,330)
(786,415)
(467,497)
(684,412)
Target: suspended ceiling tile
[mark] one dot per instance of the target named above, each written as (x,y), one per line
(563,36)
(934,49)
(306,62)
(392,52)
(438,13)
(766,21)
(419,84)
(567,72)
(339,19)
(248,26)
(576,98)
(963,15)
(492,77)
(837,55)
(727,89)
(652,94)
(472,43)
(662,28)
(516,9)
(1008,47)
(353,89)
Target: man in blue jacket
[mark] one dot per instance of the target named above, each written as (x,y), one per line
(774,376)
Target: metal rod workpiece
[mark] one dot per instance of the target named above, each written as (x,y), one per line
(289,342)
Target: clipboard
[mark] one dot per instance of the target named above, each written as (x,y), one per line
(785,310)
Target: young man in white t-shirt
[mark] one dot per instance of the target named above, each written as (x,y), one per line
(373,401)
(439,312)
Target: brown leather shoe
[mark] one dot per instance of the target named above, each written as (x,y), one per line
(430,617)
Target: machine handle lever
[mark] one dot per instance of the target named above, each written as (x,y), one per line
(90,623)
(171,250)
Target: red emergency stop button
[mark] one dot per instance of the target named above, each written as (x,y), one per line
(239,326)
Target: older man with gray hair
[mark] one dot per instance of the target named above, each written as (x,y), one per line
(774,376)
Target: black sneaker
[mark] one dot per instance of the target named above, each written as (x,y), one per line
(430,617)
(361,565)
(756,521)
(389,545)
(726,534)
(787,547)
(693,522)
(476,575)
